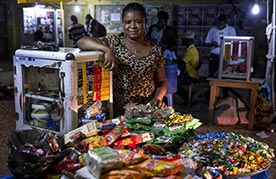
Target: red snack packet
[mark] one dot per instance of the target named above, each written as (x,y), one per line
(115,133)
(67,165)
(132,141)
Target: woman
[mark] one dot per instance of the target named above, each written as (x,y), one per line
(138,65)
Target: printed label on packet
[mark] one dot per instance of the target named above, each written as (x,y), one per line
(88,129)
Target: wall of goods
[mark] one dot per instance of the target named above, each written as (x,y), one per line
(200,18)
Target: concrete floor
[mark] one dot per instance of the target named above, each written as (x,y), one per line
(6,73)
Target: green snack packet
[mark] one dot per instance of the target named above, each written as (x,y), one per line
(192,124)
(143,120)
(139,126)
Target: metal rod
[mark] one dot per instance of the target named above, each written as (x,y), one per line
(273,54)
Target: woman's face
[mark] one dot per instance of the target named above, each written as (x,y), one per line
(134,24)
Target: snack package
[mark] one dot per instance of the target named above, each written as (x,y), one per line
(93,142)
(139,127)
(83,173)
(88,130)
(132,141)
(93,110)
(102,159)
(142,120)
(53,144)
(130,157)
(125,173)
(67,165)
(159,167)
(153,149)
(115,133)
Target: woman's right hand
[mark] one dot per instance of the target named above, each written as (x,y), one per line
(88,43)
(110,61)
(157,103)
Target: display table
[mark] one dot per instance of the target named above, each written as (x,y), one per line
(252,85)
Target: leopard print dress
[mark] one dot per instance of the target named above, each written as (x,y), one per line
(133,80)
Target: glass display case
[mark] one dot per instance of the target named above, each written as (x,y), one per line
(53,90)
(236,57)
(49,21)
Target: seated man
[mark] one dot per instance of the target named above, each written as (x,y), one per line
(190,62)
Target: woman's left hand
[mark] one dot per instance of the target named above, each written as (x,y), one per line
(157,103)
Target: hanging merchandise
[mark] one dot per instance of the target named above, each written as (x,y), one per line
(243,50)
(97,71)
(227,55)
(235,50)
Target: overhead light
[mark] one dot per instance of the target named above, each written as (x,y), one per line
(256,8)
(77,9)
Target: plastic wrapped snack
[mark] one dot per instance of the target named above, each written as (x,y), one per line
(160,168)
(132,141)
(115,133)
(124,173)
(131,157)
(101,160)
(93,142)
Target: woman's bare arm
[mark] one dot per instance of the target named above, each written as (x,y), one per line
(161,87)
(90,43)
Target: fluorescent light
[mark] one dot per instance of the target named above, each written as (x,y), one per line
(256,9)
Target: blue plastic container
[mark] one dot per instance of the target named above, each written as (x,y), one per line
(10,176)
(171,74)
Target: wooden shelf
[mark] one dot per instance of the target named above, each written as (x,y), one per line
(200,18)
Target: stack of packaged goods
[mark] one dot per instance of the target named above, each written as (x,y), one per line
(143,143)
(229,153)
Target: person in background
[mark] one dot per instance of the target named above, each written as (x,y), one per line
(75,30)
(169,54)
(161,33)
(190,62)
(213,40)
(93,27)
(88,19)
(38,35)
(137,64)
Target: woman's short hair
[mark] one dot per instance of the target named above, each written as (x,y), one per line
(134,7)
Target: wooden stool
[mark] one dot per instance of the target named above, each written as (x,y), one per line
(191,87)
